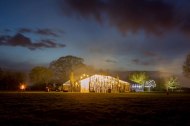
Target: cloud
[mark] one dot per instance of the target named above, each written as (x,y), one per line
(41,31)
(25,30)
(9,64)
(7,30)
(46,32)
(146,17)
(152,16)
(140,62)
(23,41)
(186,26)
(136,61)
(149,60)
(149,53)
(110,61)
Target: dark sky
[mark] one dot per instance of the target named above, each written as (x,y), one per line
(108,34)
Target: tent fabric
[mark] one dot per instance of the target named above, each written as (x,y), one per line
(102,84)
(98,84)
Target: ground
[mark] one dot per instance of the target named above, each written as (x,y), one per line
(128,109)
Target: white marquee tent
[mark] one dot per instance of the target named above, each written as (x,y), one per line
(99,84)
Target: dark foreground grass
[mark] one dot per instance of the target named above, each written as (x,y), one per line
(65,109)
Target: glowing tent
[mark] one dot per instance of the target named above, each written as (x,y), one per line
(99,84)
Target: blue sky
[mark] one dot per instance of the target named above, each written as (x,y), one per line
(108,34)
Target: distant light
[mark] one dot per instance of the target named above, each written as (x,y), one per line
(22,87)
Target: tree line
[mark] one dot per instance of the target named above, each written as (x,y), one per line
(59,71)
(10,80)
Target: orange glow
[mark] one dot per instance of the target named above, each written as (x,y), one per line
(22,87)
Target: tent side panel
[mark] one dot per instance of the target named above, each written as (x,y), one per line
(84,85)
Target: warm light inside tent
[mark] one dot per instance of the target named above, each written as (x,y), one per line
(83,76)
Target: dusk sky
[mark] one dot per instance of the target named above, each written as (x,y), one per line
(109,34)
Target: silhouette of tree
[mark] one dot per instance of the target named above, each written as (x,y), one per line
(186,66)
(63,66)
(40,76)
(10,80)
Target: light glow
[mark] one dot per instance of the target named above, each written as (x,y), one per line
(22,87)
(103,84)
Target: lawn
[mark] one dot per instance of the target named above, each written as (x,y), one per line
(128,109)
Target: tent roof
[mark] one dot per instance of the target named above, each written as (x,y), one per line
(100,77)
(67,83)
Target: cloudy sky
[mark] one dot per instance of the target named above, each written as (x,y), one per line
(108,34)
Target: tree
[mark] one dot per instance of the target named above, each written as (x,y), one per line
(186,66)
(172,83)
(139,77)
(149,84)
(63,66)
(160,84)
(40,76)
(10,80)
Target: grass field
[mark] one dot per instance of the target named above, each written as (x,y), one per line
(58,108)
